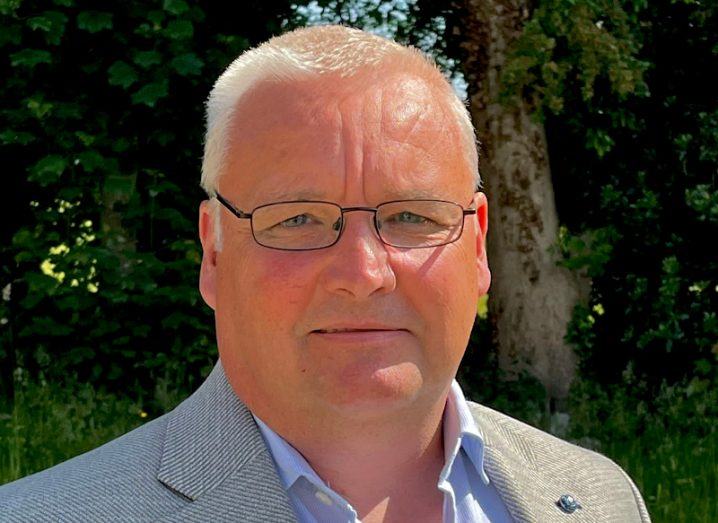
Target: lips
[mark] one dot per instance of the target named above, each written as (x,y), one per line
(335,331)
(359,335)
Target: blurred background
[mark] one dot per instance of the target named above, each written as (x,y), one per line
(598,130)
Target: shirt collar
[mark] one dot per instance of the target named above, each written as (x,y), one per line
(461,432)
(291,465)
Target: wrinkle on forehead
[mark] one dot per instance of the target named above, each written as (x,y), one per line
(398,103)
(350,129)
(416,133)
(286,124)
(411,110)
(407,104)
(272,108)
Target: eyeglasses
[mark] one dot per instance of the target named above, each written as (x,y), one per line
(310,225)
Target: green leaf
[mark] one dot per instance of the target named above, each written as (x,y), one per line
(150,93)
(600,141)
(94,21)
(122,74)
(39,22)
(10,137)
(48,170)
(52,23)
(187,64)
(176,7)
(91,160)
(85,138)
(703,367)
(30,58)
(180,29)
(147,59)
(704,200)
(39,107)
(8,7)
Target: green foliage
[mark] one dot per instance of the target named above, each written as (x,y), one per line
(94,21)
(570,46)
(103,126)
(187,64)
(52,23)
(149,94)
(703,199)
(30,58)
(590,252)
(48,170)
(122,74)
(657,277)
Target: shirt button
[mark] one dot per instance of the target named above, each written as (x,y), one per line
(323,497)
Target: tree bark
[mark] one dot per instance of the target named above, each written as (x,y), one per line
(531,299)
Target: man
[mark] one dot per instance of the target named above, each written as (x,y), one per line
(344,251)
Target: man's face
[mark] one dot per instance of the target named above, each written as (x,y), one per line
(406,313)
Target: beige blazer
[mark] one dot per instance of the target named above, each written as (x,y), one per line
(206,461)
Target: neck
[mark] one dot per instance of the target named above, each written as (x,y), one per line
(382,468)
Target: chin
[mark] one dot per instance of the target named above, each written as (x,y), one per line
(375,393)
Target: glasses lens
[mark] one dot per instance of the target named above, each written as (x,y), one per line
(419,223)
(296,225)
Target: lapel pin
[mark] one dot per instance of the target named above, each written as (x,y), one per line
(568,504)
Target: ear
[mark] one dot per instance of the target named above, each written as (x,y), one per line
(208,270)
(482,264)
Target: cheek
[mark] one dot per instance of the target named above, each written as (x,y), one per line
(281,281)
(442,281)
(442,287)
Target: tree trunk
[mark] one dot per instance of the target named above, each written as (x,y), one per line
(531,298)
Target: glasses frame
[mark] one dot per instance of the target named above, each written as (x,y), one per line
(342,210)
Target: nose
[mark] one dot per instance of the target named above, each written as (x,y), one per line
(360,265)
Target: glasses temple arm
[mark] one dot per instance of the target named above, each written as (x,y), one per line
(231,208)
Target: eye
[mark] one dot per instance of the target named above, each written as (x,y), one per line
(408,217)
(295,221)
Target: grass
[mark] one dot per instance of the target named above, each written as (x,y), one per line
(49,423)
(677,472)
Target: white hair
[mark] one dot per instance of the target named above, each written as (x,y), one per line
(309,53)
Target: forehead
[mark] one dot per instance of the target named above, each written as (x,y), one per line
(387,129)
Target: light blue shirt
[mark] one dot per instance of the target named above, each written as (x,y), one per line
(469,496)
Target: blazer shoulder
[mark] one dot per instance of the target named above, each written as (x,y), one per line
(117,480)
(551,456)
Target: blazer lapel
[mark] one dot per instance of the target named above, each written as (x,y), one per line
(531,471)
(214,456)
(507,476)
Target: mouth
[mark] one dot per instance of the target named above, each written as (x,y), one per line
(337,331)
(360,336)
